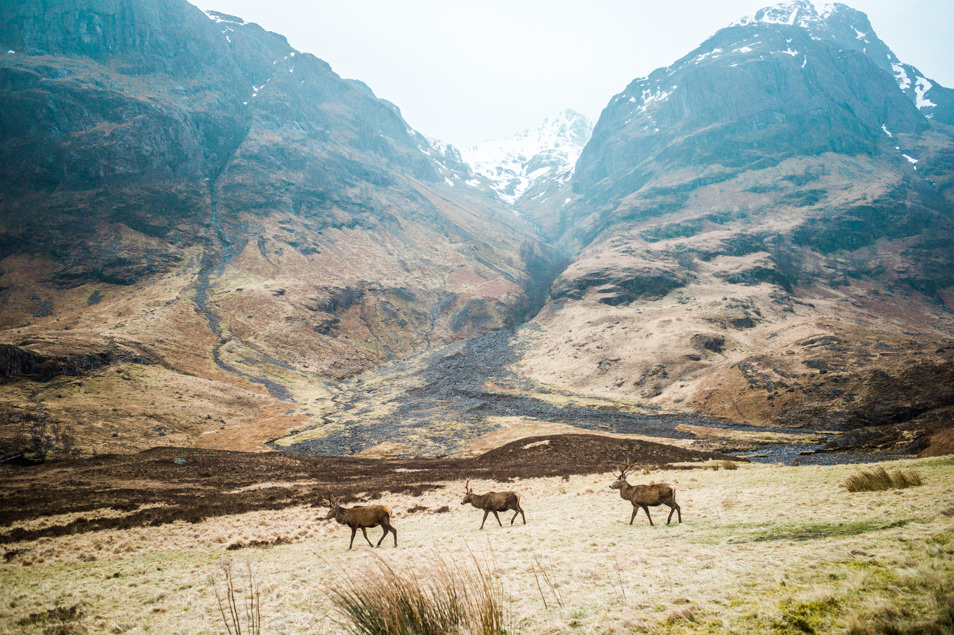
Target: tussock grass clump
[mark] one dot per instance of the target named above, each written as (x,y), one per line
(712,464)
(880,479)
(442,599)
(56,619)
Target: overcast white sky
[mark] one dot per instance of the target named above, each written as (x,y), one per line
(465,71)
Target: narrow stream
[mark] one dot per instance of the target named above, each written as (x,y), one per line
(203,306)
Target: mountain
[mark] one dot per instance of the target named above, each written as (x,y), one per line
(524,165)
(203,227)
(763,231)
(210,239)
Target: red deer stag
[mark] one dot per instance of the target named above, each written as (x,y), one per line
(494,502)
(646,496)
(362,517)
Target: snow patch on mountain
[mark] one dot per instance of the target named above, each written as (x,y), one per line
(921,89)
(838,22)
(515,164)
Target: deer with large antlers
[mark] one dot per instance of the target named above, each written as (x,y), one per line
(361,517)
(493,502)
(646,496)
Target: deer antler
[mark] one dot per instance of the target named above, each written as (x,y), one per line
(624,469)
(332,500)
(467,486)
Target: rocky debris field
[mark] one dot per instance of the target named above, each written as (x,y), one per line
(471,384)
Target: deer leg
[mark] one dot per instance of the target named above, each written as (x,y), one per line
(497,516)
(633,517)
(486,511)
(354,530)
(387,527)
(674,508)
(365,532)
(647,515)
(518,511)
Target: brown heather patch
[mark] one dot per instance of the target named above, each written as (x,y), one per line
(166,485)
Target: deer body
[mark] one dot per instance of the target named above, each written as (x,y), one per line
(361,517)
(493,502)
(646,496)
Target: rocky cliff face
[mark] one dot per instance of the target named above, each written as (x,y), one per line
(763,227)
(189,186)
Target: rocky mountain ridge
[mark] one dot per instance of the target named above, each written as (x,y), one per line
(852,30)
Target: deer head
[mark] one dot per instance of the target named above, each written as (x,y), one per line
(333,504)
(468,493)
(620,481)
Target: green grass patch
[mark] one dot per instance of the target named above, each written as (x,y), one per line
(812,616)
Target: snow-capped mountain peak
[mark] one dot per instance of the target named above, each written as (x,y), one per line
(514,164)
(837,22)
(800,13)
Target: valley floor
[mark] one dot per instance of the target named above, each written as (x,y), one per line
(762,548)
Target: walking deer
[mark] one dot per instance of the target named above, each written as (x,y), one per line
(646,496)
(494,502)
(361,517)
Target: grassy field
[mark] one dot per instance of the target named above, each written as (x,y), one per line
(762,549)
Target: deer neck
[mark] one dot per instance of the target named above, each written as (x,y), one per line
(626,490)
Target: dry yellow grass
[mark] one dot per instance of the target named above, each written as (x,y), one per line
(761,549)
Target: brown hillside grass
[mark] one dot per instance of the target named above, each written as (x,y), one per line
(766,549)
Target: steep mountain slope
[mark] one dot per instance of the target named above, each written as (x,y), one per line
(765,232)
(209,226)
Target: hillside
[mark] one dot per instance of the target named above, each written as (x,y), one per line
(763,232)
(202,227)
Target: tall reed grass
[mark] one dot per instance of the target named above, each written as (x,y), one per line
(238,606)
(440,599)
(880,479)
